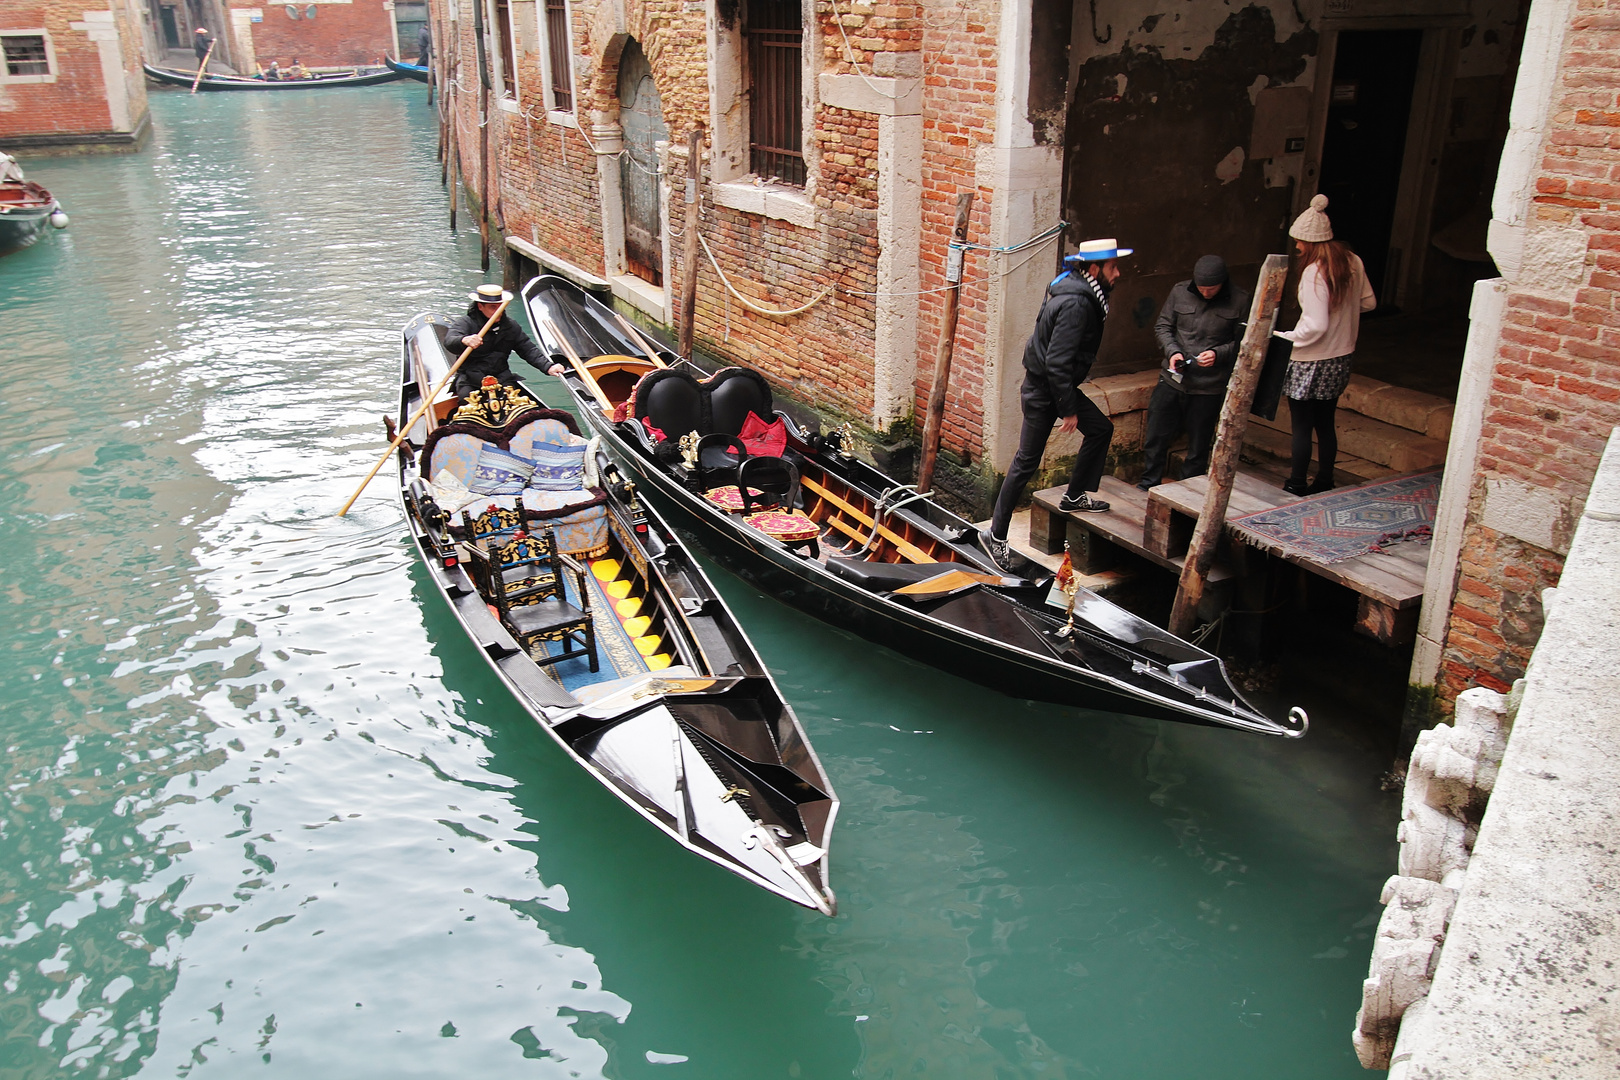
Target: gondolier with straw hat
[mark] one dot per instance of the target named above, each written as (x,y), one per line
(491,349)
(1057,360)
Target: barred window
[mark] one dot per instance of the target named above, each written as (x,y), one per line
(775,33)
(25,54)
(560,54)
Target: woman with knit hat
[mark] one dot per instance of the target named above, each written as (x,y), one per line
(1333,292)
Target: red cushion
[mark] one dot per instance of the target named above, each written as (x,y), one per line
(784,525)
(657,436)
(762,439)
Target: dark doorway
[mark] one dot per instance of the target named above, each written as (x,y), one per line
(171,28)
(1374,72)
(642,117)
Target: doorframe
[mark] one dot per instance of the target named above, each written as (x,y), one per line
(1425,141)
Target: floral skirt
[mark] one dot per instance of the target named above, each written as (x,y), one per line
(1318,380)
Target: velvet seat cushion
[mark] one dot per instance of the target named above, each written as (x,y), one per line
(785,526)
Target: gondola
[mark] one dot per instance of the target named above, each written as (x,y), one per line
(26,208)
(606,631)
(419,72)
(367,77)
(817,527)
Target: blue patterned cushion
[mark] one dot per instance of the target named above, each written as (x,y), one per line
(558,467)
(500,473)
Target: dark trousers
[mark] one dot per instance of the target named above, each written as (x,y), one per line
(1306,417)
(1039,416)
(1168,412)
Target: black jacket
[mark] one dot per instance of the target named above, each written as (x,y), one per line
(1189,324)
(490,358)
(1064,345)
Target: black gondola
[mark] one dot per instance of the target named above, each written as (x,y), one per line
(875,556)
(371,77)
(419,72)
(621,651)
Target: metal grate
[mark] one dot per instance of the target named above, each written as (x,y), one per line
(776,103)
(25,54)
(503,28)
(561,55)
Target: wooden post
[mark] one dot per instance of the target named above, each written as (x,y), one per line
(694,206)
(483,179)
(455,170)
(947,345)
(1228,442)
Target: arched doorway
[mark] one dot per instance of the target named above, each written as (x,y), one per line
(642,117)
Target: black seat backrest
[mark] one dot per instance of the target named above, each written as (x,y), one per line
(673,401)
(735,392)
(776,477)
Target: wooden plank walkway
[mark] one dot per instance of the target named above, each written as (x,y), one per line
(1158,525)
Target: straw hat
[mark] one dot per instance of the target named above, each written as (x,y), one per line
(1313,225)
(1098,251)
(489,294)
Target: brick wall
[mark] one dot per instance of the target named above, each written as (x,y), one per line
(360,32)
(1555,395)
(75,104)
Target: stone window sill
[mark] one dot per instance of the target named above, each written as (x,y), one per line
(508,104)
(643,294)
(779,201)
(562,119)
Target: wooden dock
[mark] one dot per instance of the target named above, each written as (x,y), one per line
(1157,525)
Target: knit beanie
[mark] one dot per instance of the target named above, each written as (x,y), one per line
(1210,270)
(1313,225)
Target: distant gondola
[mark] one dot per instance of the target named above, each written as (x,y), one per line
(366,77)
(419,72)
(606,630)
(857,548)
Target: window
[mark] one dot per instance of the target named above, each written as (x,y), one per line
(503,30)
(26,55)
(560,55)
(775,33)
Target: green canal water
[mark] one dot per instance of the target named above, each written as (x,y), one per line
(265,811)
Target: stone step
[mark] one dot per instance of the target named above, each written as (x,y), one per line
(1413,410)
(1397,448)
(1272,450)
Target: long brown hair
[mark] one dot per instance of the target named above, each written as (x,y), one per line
(1337,267)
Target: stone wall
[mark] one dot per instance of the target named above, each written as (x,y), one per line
(1496,956)
(1554,392)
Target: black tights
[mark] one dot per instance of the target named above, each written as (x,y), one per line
(1316,416)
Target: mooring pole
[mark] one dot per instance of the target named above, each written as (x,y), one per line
(694,207)
(947,345)
(1228,442)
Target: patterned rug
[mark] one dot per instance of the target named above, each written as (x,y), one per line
(1340,525)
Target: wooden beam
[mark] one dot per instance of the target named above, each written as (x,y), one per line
(947,345)
(1228,442)
(694,148)
(906,547)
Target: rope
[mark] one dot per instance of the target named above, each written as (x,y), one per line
(749,304)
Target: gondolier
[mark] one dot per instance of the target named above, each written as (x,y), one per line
(201,42)
(1057,360)
(490,352)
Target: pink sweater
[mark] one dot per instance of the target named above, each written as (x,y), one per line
(1322,334)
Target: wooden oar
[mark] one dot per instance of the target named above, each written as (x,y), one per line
(641,343)
(427,403)
(202,67)
(579,365)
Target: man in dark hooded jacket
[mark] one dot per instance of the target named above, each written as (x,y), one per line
(1057,360)
(1199,331)
(491,350)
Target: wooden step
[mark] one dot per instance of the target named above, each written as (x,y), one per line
(1104,535)
(1272,450)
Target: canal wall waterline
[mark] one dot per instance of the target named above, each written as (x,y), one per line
(1523,974)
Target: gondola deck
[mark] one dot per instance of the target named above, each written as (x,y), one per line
(887,562)
(680,720)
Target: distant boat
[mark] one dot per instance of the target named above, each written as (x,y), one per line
(26,208)
(419,72)
(362,77)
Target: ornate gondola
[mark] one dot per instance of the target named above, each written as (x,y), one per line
(419,72)
(605,629)
(789,509)
(366,77)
